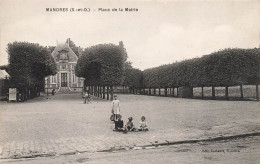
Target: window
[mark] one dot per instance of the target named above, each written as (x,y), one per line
(63,56)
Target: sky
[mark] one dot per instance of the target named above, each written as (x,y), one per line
(160,32)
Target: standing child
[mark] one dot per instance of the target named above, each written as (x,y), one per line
(115,108)
(143,124)
(86,97)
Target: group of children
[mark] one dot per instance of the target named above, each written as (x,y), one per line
(119,124)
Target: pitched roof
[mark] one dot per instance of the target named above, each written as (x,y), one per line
(72,56)
(3,74)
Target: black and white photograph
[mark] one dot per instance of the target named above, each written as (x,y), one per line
(134,81)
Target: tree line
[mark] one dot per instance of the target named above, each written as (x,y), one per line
(224,68)
(105,65)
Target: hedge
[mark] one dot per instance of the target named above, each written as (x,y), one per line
(102,64)
(133,78)
(29,63)
(229,67)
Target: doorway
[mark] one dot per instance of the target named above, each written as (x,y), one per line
(64,82)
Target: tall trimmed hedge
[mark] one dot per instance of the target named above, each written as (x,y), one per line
(227,67)
(102,64)
(29,63)
(133,78)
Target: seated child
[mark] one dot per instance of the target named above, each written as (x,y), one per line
(129,125)
(143,124)
(119,124)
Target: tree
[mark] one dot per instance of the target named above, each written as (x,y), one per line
(72,45)
(51,49)
(5,67)
(102,64)
(227,67)
(29,63)
(133,78)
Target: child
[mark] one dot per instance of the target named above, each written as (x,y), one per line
(129,125)
(115,108)
(85,97)
(119,124)
(53,92)
(143,125)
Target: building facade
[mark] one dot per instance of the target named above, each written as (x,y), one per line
(65,80)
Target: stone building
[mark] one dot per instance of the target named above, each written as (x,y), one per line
(65,80)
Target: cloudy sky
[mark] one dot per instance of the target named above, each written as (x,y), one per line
(160,32)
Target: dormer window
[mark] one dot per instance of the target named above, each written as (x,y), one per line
(63,56)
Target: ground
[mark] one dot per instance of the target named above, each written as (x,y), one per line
(62,128)
(235,151)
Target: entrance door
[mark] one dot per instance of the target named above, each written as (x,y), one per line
(64,80)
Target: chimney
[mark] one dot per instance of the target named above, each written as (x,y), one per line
(121,44)
(79,51)
(68,41)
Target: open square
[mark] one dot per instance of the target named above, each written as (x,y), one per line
(63,124)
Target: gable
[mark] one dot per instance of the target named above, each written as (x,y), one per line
(64,51)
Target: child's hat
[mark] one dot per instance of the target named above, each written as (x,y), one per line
(130,118)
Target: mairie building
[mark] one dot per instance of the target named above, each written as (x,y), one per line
(65,80)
